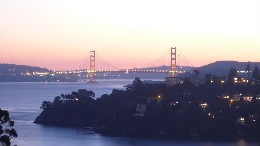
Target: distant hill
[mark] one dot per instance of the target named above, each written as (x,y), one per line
(23,73)
(221,68)
(18,73)
(16,69)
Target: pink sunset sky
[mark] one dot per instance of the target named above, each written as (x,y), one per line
(59,34)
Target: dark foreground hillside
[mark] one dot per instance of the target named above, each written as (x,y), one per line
(208,111)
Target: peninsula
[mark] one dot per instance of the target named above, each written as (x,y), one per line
(215,109)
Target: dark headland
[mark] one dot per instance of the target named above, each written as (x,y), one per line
(216,109)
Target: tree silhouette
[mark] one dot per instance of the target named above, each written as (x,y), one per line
(256,73)
(195,73)
(6,130)
(248,70)
(137,83)
(231,75)
(208,78)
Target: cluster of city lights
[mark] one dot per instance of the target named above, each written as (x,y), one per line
(242,80)
(204,105)
(35,73)
(248,98)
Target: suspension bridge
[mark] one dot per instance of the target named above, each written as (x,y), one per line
(98,64)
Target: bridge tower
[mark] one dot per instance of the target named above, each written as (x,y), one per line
(173,68)
(92,70)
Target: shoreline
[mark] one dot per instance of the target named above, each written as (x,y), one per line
(181,138)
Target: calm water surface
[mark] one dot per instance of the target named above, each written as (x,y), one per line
(23,101)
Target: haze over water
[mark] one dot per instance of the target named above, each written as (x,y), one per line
(23,101)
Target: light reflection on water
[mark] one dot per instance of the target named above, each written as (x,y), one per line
(23,100)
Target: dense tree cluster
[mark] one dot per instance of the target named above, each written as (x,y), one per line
(6,130)
(77,108)
(256,73)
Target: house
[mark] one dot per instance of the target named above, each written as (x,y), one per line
(236,97)
(140,110)
(170,81)
(197,81)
